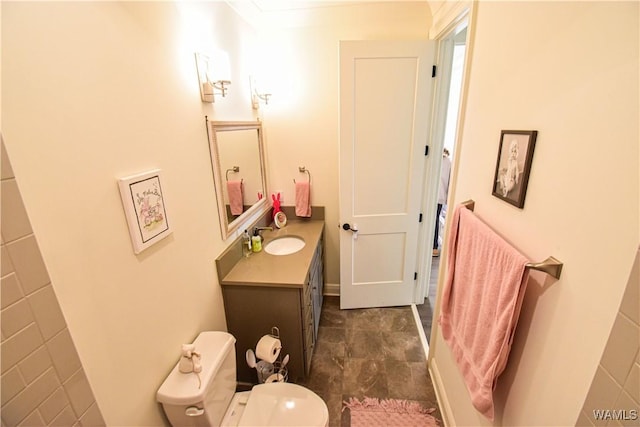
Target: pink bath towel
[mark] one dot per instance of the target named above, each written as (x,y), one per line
(303,199)
(236,199)
(481,302)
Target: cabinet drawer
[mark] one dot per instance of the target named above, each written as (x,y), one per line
(307,302)
(309,345)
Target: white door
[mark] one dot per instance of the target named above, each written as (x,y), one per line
(385,99)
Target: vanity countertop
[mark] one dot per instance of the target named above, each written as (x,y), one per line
(263,269)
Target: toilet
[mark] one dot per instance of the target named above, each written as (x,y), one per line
(209,398)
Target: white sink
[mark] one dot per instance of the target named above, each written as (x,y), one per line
(284,245)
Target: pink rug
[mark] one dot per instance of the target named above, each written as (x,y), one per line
(372,412)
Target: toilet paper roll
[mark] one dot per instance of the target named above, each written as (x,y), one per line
(268,348)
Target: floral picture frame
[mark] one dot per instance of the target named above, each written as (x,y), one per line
(513,167)
(145,207)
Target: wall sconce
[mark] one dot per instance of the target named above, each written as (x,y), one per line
(213,75)
(256,96)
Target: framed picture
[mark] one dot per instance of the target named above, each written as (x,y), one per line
(513,166)
(145,208)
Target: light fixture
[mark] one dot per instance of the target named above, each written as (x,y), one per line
(213,75)
(256,96)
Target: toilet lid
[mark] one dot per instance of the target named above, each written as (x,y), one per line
(284,404)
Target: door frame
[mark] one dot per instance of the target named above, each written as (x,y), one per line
(453,20)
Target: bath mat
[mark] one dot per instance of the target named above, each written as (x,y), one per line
(371,412)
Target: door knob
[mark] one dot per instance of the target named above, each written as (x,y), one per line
(353,228)
(348,227)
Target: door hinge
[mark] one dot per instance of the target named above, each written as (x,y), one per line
(433,71)
(415,276)
(420,218)
(426,150)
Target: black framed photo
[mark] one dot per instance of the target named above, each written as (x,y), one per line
(513,166)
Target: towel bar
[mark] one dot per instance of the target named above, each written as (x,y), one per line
(551,265)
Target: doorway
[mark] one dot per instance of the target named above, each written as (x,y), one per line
(451,64)
(382,161)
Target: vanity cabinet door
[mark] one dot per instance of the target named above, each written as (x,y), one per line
(251,311)
(307,325)
(317,287)
(312,303)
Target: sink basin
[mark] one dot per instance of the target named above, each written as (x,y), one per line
(284,245)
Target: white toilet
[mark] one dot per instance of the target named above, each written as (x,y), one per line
(209,399)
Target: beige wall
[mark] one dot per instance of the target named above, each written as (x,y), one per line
(93,91)
(570,71)
(302,116)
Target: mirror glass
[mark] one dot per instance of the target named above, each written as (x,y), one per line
(237,158)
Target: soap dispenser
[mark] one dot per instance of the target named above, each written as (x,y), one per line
(256,241)
(247,246)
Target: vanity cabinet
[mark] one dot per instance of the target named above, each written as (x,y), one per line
(252,309)
(313,305)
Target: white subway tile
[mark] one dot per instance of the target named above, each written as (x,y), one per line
(79,392)
(11,384)
(64,355)
(92,418)
(602,395)
(621,348)
(34,365)
(33,420)
(29,399)
(19,346)
(15,317)
(30,268)
(6,266)
(54,405)
(15,222)
(47,312)
(65,418)
(10,291)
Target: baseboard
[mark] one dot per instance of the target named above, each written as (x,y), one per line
(441,394)
(423,336)
(331,289)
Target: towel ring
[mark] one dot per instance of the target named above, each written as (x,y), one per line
(234,169)
(303,169)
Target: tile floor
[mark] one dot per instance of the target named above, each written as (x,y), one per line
(368,353)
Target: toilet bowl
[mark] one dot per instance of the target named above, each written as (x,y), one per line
(208,398)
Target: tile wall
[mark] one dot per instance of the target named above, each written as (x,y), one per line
(615,390)
(42,380)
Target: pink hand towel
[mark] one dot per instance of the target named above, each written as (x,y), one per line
(481,302)
(303,199)
(236,199)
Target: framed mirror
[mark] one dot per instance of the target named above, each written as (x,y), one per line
(239,172)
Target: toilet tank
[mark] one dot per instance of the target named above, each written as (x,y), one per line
(202,399)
